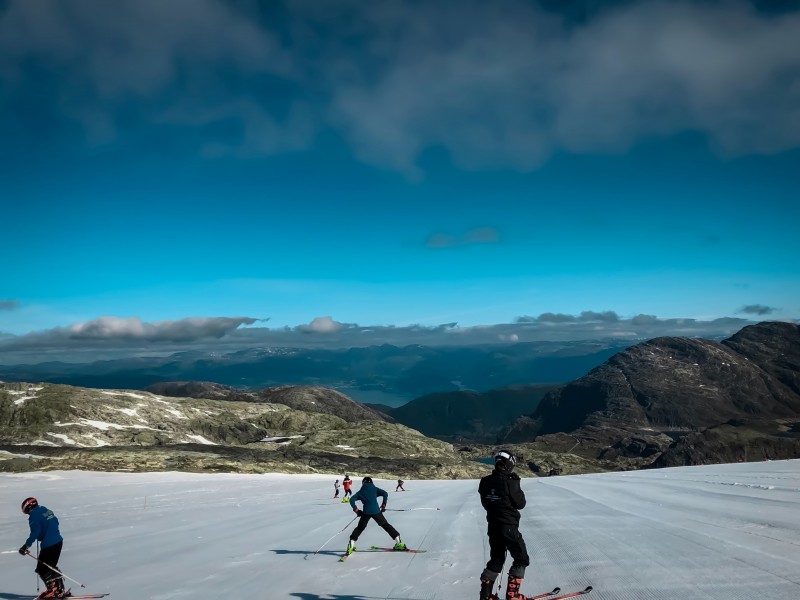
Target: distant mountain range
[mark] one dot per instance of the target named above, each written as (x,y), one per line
(388,375)
(667,401)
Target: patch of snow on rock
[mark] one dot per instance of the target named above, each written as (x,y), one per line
(201,439)
(280,439)
(98,442)
(130,394)
(104,426)
(4,455)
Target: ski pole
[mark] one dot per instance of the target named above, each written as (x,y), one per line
(407,509)
(54,569)
(335,534)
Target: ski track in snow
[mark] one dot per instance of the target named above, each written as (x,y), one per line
(717,532)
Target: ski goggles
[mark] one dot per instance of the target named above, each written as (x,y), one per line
(503,455)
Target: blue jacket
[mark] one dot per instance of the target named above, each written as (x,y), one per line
(368,494)
(44,527)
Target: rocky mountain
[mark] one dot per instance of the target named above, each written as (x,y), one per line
(49,426)
(674,400)
(379,374)
(308,398)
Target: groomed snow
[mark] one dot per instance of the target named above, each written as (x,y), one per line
(722,532)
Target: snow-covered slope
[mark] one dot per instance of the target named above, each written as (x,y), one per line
(723,532)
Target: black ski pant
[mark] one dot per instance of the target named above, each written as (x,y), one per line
(49,556)
(347,493)
(379,519)
(506,538)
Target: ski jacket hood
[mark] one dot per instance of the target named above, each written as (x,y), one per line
(502,497)
(44,527)
(368,494)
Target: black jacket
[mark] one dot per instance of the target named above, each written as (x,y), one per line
(502,497)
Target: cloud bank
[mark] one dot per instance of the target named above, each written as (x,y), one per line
(115,337)
(108,331)
(495,84)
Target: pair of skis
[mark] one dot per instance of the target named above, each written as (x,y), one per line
(555,594)
(382,549)
(83,596)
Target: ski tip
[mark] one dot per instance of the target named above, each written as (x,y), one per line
(556,590)
(588,589)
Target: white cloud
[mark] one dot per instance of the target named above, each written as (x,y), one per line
(322,325)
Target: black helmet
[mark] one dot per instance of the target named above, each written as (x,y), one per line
(29,504)
(504,461)
(366,480)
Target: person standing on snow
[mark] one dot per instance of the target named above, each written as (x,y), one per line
(347,484)
(502,497)
(368,494)
(44,528)
(336,489)
(400,487)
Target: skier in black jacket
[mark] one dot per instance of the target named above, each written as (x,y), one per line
(502,497)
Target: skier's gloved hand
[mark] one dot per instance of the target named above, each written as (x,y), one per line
(358,512)
(23,550)
(383,507)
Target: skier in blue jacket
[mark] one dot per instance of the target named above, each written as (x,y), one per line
(368,494)
(44,529)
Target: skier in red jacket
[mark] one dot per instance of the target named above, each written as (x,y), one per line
(347,483)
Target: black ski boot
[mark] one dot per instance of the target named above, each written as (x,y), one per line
(486,589)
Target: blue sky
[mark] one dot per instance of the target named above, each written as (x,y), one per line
(308,167)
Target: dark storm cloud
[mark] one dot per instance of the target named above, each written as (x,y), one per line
(608,316)
(644,320)
(549,318)
(757,309)
(9,305)
(479,235)
(504,83)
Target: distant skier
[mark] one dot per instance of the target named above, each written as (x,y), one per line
(347,483)
(400,487)
(502,497)
(336,489)
(44,528)
(368,495)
